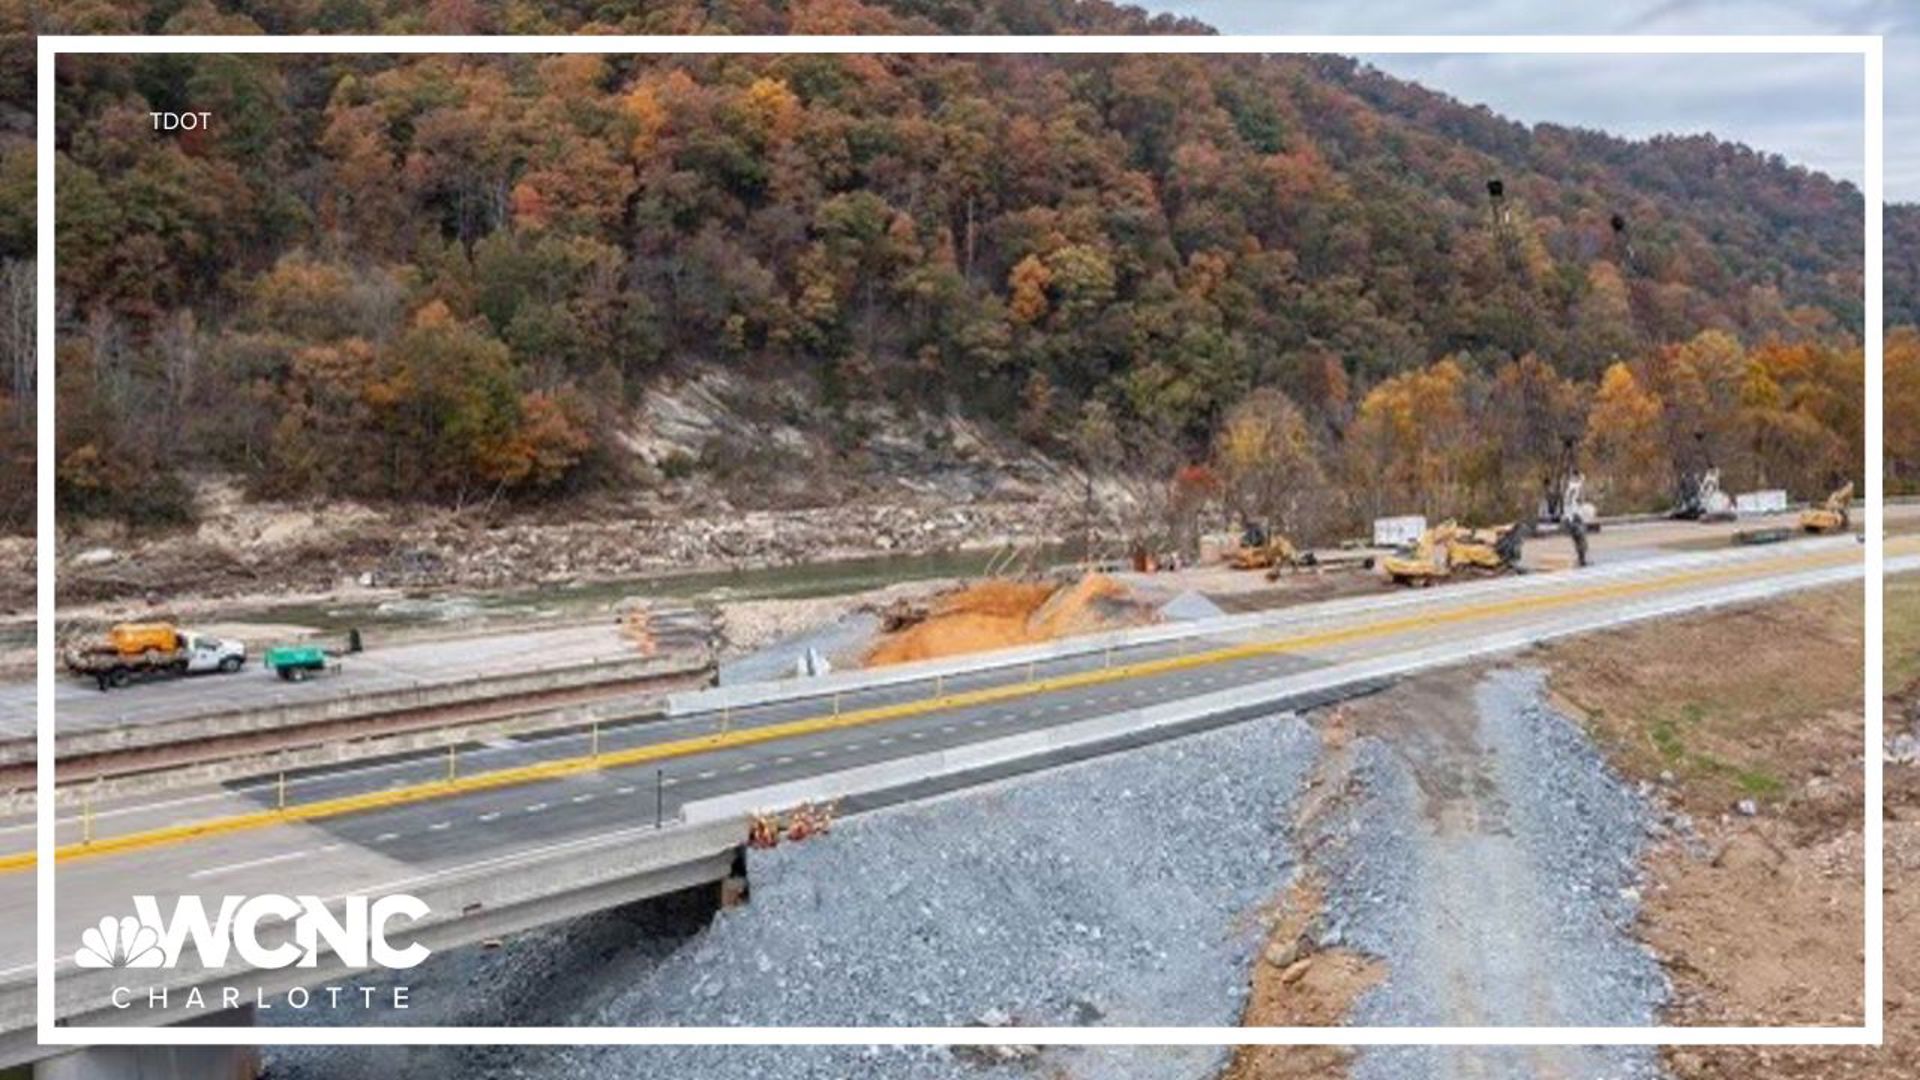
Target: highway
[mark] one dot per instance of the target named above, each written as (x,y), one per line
(644,774)
(79,706)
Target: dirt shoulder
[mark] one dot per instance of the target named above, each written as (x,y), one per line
(1745,726)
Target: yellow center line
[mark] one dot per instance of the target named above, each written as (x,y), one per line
(574,766)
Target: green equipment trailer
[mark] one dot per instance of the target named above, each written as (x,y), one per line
(295,663)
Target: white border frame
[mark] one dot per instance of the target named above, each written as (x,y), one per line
(1869,48)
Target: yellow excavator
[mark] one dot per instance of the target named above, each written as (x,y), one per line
(1261,550)
(1831,516)
(1447,549)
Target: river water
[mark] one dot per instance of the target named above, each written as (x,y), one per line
(799,581)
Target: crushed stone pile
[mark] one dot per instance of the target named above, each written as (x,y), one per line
(1516,908)
(1122,890)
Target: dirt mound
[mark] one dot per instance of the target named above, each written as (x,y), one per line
(1095,602)
(998,613)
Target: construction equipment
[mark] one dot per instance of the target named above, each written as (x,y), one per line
(139,650)
(1831,516)
(1701,498)
(1570,504)
(1563,501)
(1260,550)
(1447,550)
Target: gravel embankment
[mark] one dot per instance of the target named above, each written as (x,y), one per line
(1124,890)
(1507,899)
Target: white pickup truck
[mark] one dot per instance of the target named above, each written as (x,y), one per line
(111,664)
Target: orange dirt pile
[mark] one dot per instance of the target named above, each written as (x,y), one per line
(997,614)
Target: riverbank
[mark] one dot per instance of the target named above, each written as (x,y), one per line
(343,551)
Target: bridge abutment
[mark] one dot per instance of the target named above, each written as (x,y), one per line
(159,1062)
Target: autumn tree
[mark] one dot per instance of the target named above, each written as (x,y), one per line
(1902,404)
(1163,235)
(1534,416)
(1412,446)
(1624,447)
(1269,467)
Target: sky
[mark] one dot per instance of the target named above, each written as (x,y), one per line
(1807,109)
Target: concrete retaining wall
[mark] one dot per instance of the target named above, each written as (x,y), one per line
(348,706)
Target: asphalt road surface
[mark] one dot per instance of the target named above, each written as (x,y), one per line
(79,705)
(379,849)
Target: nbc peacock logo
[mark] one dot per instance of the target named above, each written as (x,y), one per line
(125,942)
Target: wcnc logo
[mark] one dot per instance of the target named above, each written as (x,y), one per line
(358,935)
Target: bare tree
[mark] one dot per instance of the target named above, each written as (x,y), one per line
(17,331)
(178,344)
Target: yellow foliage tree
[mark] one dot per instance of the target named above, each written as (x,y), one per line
(1269,466)
(1623,447)
(1410,446)
(772,109)
(1902,410)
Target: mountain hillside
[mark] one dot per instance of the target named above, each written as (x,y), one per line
(459,278)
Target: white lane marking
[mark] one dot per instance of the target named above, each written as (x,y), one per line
(440,826)
(386,836)
(947,730)
(979,723)
(536,807)
(668,781)
(851,747)
(783,760)
(708,775)
(888,741)
(916,734)
(582,798)
(1062,707)
(745,766)
(491,815)
(818,753)
(627,790)
(213,871)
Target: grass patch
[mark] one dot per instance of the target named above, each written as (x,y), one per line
(1666,739)
(1759,783)
(1737,703)
(1668,736)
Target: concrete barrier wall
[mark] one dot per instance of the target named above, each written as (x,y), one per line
(1274,694)
(750,695)
(470,903)
(347,706)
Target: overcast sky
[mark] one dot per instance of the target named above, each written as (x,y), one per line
(1805,108)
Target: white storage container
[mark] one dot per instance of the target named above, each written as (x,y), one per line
(1760,502)
(1398,531)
